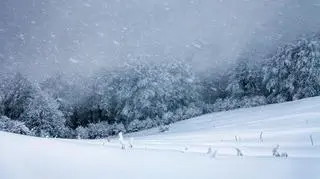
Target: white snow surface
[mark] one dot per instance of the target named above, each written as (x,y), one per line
(182,151)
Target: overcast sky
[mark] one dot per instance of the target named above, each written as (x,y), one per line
(40,37)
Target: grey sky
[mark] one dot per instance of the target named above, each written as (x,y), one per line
(42,37)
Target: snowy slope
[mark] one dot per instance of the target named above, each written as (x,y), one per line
(181,152)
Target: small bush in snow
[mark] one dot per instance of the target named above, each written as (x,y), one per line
(82,133)
(137,125)
(108,139)
(121,141)
(98,130)
(275,152)
(103,130)
(131,143)
(284,154)
(214,154)
(163,128)
(239,152)
(311,140)
(13,126)
(261,137)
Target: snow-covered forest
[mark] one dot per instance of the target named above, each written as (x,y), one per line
(140,95)
(159,89)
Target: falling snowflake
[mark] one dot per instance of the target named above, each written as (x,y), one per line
(87,5)
(101,34)
(116,43)
(72,60)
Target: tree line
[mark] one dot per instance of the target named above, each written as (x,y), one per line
(140,95)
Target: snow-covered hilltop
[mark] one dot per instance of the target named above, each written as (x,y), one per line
(182,151)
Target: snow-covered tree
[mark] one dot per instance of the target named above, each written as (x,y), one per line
(98,130)
(16,93)
(42,115)
(82,132)
(140,96)
(245,80)
(24,101)
(293,73)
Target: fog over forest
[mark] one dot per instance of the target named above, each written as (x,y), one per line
(94,68)
(140,88)
(40,38)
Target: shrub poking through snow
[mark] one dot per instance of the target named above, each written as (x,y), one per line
(214,154)
(284,154)
(164,128)
(239,152)
(131,142)
(275,152)
(121,141)
(311,140)
(261,137)
(209,150)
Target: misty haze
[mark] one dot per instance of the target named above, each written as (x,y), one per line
(159,89)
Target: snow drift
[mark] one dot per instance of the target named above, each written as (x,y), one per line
(181,152)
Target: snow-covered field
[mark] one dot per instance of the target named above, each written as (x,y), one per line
(182,151)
